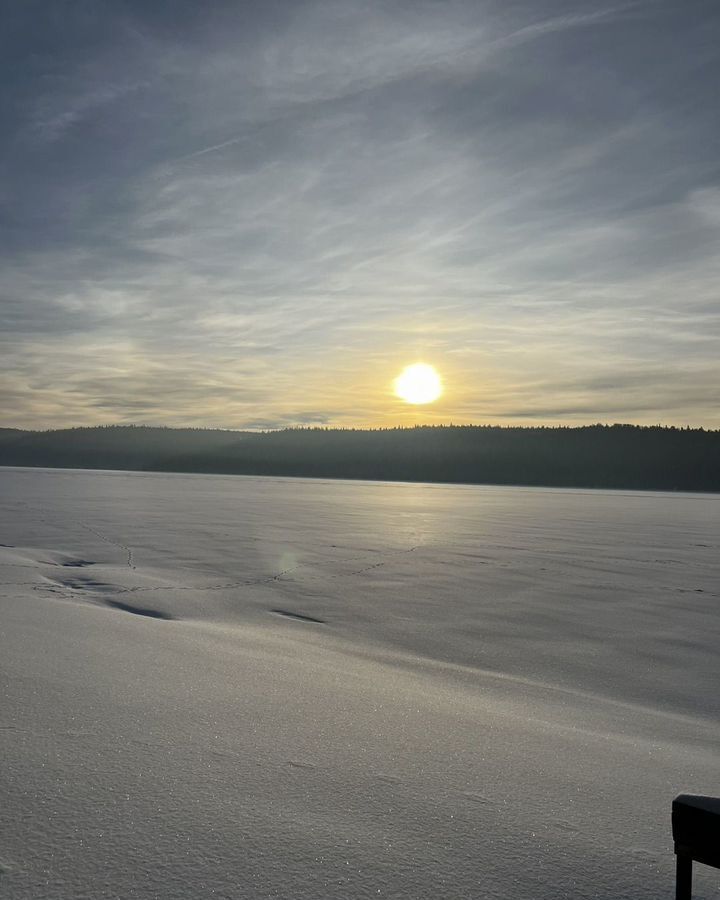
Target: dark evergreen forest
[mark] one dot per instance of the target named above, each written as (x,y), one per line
(596,456)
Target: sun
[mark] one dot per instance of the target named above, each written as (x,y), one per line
(419,383)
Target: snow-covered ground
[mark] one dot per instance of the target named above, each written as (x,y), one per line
(339,689)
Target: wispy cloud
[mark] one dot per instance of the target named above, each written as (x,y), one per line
(255,218)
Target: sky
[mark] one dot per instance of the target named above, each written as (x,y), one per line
(255,214)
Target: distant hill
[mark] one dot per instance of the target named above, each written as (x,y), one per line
(600,456)
(110,447)
(8,434)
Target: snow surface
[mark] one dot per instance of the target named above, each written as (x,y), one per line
(241,687)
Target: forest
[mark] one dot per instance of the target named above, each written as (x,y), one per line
(595,456)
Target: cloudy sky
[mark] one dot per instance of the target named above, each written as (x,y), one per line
(254,214)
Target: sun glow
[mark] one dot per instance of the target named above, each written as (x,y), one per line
(419,383)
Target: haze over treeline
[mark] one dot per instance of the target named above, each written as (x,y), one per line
(601,456)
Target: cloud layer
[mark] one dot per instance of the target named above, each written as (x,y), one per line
(253,215)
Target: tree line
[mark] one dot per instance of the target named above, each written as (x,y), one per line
(596,456)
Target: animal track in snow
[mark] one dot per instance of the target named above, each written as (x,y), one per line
(83,583)
(129,560)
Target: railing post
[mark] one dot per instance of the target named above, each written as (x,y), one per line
(696,834)
(683,877)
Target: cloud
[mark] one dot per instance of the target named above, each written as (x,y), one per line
(260,216)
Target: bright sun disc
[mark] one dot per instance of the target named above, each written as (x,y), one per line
(418,384)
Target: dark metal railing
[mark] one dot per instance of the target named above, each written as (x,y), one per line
(696,833)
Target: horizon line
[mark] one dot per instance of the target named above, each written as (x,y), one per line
(316,427)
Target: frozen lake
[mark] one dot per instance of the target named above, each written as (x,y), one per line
(236,687)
